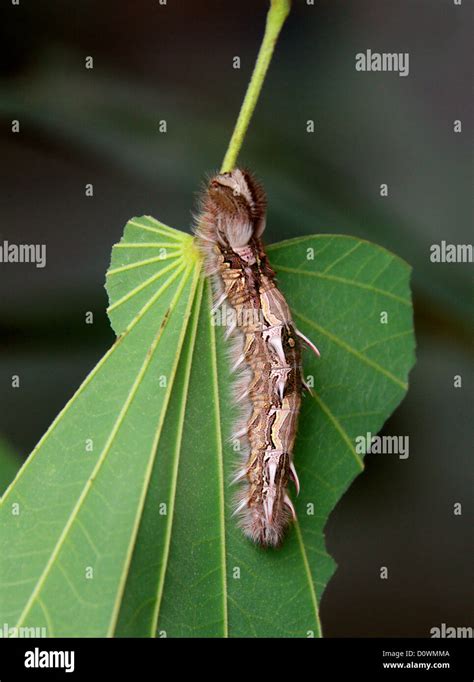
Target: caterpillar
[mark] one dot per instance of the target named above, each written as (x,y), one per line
(266,350)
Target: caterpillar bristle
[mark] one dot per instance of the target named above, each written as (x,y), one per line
(242,396)
(238,363)
(219,302)
(290,506)
(241,505)
(239,476)
(240,434)
(230,330)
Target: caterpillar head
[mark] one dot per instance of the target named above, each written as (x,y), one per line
(239,205)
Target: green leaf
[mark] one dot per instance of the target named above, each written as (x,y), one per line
(123,525)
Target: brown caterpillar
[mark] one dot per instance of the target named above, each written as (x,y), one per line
(267,349)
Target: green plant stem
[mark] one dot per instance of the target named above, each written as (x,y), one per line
(279,10)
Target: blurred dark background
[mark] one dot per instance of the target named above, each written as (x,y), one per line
(173,62)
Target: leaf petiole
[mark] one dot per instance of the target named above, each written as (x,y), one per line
(279,10)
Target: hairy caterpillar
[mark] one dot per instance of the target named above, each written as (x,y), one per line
(267,350)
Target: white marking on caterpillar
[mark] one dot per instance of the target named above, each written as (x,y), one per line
(266,346)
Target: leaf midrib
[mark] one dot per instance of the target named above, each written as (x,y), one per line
(177,456)
(220,459)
